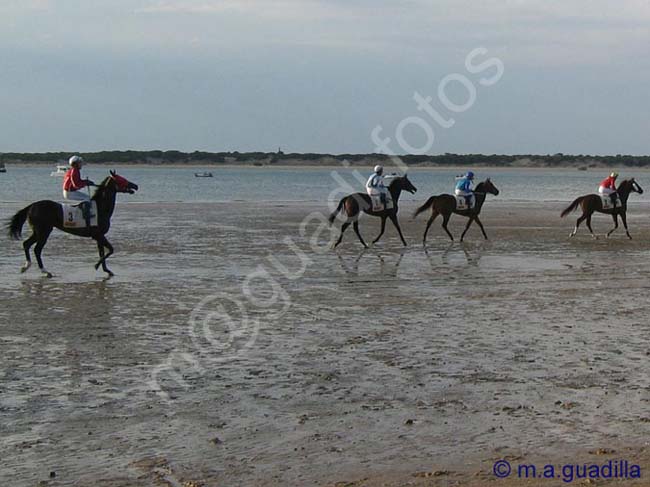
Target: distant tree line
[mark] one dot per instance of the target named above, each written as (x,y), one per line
(265,158)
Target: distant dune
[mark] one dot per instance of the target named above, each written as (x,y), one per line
(310,159)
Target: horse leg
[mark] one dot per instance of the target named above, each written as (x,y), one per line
(445,220)
(101,244)
(469,223)
(42,240)
(383,227)
(100,249)
(480,224)
(355,226)
(343,228)
(578,222)
(27,245)
(615,218)
(624,220)
(426,230)
(393,218)
(590,229)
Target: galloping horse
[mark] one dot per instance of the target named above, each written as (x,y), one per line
(357,202)
(592,202)
(45,215)
(445,205)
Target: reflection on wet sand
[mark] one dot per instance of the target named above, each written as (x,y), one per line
(388,262)
(449,257)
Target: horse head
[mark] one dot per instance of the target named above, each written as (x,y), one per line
(403,184)
(488,186)
(629,186)
(119,184)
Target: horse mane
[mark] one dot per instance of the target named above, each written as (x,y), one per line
(479,187)
(393,179)
(99,192)
(625,182)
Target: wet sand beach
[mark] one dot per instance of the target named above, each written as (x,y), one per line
(228,350)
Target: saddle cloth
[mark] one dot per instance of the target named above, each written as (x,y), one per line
(73,216)
(461,202)
(377,205)
(607,202)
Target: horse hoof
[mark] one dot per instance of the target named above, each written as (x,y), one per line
(24,268)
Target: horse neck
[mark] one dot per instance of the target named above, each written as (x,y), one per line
(480,194)
(624,192)
(106,203)
(395,191)
(480,199)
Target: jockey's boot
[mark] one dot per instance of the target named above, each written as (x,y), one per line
(86,208)
(613,197)
(468,200)
(382,198)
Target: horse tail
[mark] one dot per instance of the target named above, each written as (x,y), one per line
(571,207)
(15,225)
(424,207)
(336,212)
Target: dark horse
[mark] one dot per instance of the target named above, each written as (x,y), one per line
(592,202)
(357,202)
(43,216)
(445,205)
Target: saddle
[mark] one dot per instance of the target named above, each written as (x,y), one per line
(607,203)
(74,215)
(461,202)
(378,203)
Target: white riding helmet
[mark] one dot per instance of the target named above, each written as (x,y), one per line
(77,159)
(379,169)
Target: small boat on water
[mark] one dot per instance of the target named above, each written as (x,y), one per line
(2,167)
(203,175)
(60,171)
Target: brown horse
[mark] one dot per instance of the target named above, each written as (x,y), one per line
(445,205)
(355,203)
(592,202)
(45,215)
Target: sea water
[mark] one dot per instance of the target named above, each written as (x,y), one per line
(25,184)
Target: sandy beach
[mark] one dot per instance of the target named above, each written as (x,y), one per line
(229,350)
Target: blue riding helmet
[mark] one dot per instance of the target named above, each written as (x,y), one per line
(470,175)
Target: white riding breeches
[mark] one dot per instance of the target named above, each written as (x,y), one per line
(76,196)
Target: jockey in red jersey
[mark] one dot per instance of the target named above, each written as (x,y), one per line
(72,182)
(608,186)
(73,186)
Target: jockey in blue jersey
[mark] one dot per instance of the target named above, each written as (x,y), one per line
(464,187)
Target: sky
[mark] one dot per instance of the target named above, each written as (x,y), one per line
(322,75)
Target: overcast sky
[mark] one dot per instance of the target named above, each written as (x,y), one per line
(319,75)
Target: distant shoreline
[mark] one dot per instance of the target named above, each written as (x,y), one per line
(362,168)
(280,159)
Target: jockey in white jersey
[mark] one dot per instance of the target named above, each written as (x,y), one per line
(375,185)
